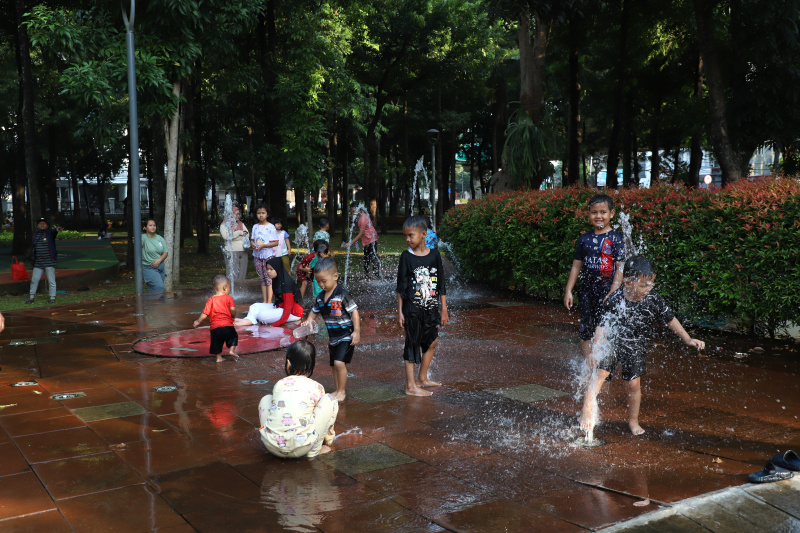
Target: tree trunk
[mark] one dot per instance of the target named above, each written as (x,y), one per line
(574,144)
(655,157)
(696,155)
(159,163)
(178,242)
(717,106)
(171,129)
(73,180)
(28,123)
(22,230)
(619,95)
(627,154)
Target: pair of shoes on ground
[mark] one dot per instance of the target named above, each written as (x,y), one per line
(30,301)
(782,466)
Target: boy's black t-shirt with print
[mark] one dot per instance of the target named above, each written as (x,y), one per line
(420,279)
(629,324)
(600,255)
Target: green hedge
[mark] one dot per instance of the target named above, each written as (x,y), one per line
(7,237)
(730,252)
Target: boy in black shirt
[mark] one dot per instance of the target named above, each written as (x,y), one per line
(623,337)
(421,304)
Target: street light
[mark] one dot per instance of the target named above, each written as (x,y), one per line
(433,138)
(133,132)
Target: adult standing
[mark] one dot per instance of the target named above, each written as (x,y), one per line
(369,240)
(45,258)
(154,251)
(234,233)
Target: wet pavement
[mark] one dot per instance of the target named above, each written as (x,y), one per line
(97,437)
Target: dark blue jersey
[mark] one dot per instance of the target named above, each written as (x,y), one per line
(600,255)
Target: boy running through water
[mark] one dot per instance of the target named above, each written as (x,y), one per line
(624,336)
(421,304)
(599,255)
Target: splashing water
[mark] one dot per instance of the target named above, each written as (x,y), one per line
(230,222)
(446,246)
(356,430)
(626,228)
(417,169)
(349,244)
(301,240)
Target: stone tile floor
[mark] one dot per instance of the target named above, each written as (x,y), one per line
(492,450)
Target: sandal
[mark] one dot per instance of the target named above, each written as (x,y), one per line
(788,460)
(51,301)
(769,474)
(29,301)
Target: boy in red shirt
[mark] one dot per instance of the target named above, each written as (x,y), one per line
(221,310)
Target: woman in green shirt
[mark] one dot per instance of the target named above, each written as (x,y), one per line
(154,251)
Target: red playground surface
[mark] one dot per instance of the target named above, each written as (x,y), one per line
(195,342)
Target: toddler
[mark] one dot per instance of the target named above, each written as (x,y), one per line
(322,233)
(284,244)
(221,310)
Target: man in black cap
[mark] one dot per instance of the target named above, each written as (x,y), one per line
(44,259)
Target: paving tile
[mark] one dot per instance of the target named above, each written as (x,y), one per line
(374,421)
(672,523)
(424,489)
(379,515)
(758,512)
(13,462)
(716,518)
(145,426)
(432,446)
(26,402)
(360,459)
(378,393)
(204,487)
(87,474)
(60,445)
(23,494)
(502,515)
(104,412)
(216,419)
(164,455)
(49,521)
(43,422)
(73,381)
(133,509)
(104,395)
(247,517)
(421,409)
(779,495)
(529,393)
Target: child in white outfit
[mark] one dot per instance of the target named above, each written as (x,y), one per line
(297,418)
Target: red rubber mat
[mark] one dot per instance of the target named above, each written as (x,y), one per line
(195,342)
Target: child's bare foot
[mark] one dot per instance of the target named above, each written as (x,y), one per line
(325,449)
(427,383)
(416,391)
(636,429)
(233,354)
(339,396)
(587,424)
(219,358)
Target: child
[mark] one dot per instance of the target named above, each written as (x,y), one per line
(369,240)
(284,245)
(45,257)
(221,310)
(264,239)
(340,313)
(322,233)
(287,297)
(624,335)
(421,304)
(322,250)
(297,418)
(304,269)
(598,255)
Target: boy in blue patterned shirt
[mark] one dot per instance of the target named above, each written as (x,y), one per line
(599,256)
(340,313)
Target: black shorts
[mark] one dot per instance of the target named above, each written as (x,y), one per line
(631,361)
(225,335)
(590,309)
(341,352)
(422,330)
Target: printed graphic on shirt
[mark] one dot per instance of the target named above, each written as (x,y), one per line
(425,281)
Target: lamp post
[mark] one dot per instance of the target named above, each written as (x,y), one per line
(133,132)
(433,138)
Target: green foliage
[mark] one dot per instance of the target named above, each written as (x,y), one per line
(527,150)
(732,253)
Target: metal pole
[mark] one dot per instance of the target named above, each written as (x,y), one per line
(133,132)
(433,186)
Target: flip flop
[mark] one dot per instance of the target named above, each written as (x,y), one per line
(788,460)
(769,474)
